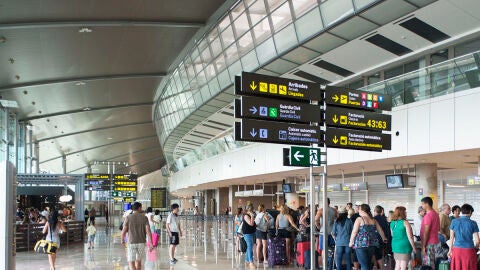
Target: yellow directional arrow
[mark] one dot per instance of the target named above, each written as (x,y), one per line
(253,86)
(335,98)
(335,119)
(335,139)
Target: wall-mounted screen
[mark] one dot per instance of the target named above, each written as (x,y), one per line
(395,180)
(286,188)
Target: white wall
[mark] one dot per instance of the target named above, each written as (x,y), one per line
(442,124)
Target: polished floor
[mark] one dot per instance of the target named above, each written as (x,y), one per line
(205,245)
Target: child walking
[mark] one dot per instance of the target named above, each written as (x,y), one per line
(91,230)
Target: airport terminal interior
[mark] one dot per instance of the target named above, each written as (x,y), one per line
(208,106)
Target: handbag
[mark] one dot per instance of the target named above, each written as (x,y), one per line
(242,245)
(441,251)
(46,247)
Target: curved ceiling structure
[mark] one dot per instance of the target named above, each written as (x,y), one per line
(84,74)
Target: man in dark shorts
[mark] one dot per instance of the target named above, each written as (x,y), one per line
(174,231)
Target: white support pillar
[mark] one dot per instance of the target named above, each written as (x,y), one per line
(426,183)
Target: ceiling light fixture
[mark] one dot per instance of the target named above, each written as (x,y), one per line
(85,30)
(87,109)
(80,83)
(456,186)
(109,138)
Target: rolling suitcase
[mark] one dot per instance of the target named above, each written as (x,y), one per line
(154,242)
(444,265)
(277,252)
(300,252)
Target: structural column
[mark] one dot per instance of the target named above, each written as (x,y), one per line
(230,200)
(8,188)
(37,157)
(426,183)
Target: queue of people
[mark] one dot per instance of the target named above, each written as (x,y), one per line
(366,239)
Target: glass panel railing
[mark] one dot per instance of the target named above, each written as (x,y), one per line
(208,150)
(451,76)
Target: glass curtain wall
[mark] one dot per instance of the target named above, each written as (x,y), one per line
(252,34)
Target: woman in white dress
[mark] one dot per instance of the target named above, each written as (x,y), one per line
(52,229)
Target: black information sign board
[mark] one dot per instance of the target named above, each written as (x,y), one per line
(357,139)
(158,197)
(97,182)
(357,119)
(253,84)
(276,110)
(277,132)
(125,182)
(357,99)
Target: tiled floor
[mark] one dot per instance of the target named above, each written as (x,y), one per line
(192,253)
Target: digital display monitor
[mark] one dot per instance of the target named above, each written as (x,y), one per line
(286,188)
(395,180)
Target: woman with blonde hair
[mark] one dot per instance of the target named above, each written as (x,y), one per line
(284,221)
(261,221)
(402,238)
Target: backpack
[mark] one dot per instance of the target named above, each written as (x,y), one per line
(262,224)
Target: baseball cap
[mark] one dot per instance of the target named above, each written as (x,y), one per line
(358,203)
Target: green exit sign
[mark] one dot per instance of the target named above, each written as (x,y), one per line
(304,156)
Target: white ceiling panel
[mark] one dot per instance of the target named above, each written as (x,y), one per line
(280,66)
(357,55)
(388,11)
(471,7)
(353,28)
(320,72)
(404,37)
(422,3)
(324,42)
(448,18)
(267,72)
(301,55)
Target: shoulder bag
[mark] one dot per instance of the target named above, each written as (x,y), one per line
(46,247)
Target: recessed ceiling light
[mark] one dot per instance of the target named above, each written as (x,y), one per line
(109,138)
(85,30)
(80,83)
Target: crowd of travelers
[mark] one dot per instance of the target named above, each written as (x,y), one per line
(359,238)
